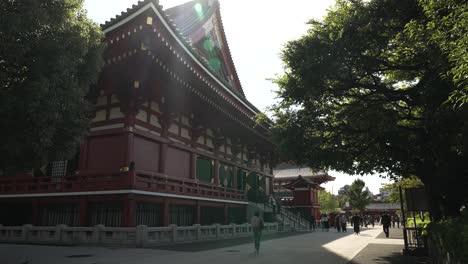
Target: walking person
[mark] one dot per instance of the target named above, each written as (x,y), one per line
(372,219)
(386,224)
(338,223)
(356,220)
(327,223)
(257,226)
(343,221)
(324,222)
(312,223)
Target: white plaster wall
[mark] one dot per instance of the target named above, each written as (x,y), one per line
(115,113)
(100,116)
(142,116)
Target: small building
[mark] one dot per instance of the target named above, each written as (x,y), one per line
(380,208)
(297,187)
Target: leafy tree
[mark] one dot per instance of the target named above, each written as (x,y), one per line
(394,197)
(327,201)
(342,196)
(342,199)
(343,191)
(447,28)
(368,91)
(49,56)
(359,197)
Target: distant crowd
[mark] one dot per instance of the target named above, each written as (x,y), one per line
(357,221)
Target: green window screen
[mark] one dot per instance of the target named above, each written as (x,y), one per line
(262,181)
(204,170)
(229,172)
(252,181)
(241,175)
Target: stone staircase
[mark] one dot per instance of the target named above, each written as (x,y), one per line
(285,217)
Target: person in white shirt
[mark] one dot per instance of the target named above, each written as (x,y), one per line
(257,226)
(343,221)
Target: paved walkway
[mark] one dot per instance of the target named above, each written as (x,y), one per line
(319,247)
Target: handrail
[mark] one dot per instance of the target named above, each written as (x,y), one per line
(116,180)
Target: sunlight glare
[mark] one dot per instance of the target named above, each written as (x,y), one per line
(198,9)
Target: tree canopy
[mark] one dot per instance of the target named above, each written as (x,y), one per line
(359,195)
(376,88)
(49,56)
(411,182)
(328,202)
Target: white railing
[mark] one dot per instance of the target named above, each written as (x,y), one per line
(130,236)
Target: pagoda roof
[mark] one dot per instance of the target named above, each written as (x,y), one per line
(180,22)
(200,21)
(301,181)
(383,206)
(286,172)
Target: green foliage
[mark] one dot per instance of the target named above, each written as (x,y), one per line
(367,91)
(453,234)
(420,221)
(410,182)
(327,201)
(50,54)
(342,199)
(447,28)
(359,197)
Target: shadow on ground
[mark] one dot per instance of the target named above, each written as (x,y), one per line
(386,254)
(395,233)
(215,244)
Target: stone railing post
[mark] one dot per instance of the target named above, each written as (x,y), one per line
(97,233)
(217,230)
(197,231)
(58,232)
(25,232)
(141,235)
(174,232)
(233,227)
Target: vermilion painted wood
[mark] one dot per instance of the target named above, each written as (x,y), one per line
(104,181)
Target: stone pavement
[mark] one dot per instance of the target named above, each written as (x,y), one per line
(322,247)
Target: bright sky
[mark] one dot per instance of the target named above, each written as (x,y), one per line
(256,30)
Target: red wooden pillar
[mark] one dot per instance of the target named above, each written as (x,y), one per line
(234,179)
(83,155)
(83,211)
(316,197)
(166,120)
(193,165)
(129,212)
(216,171)
(226,220)
(128,139)
(197,213)
(165,214)
(162,158)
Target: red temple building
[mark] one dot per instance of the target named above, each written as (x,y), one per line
(173,139)
(297,188)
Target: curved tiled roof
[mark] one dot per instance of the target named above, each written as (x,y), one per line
(190,22)
(114,22)
(383,206)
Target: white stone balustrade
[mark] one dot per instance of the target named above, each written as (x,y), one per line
(139,236)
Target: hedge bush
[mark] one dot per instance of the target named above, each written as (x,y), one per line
(453,234)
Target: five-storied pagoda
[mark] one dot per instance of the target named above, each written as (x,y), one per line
(173,139)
